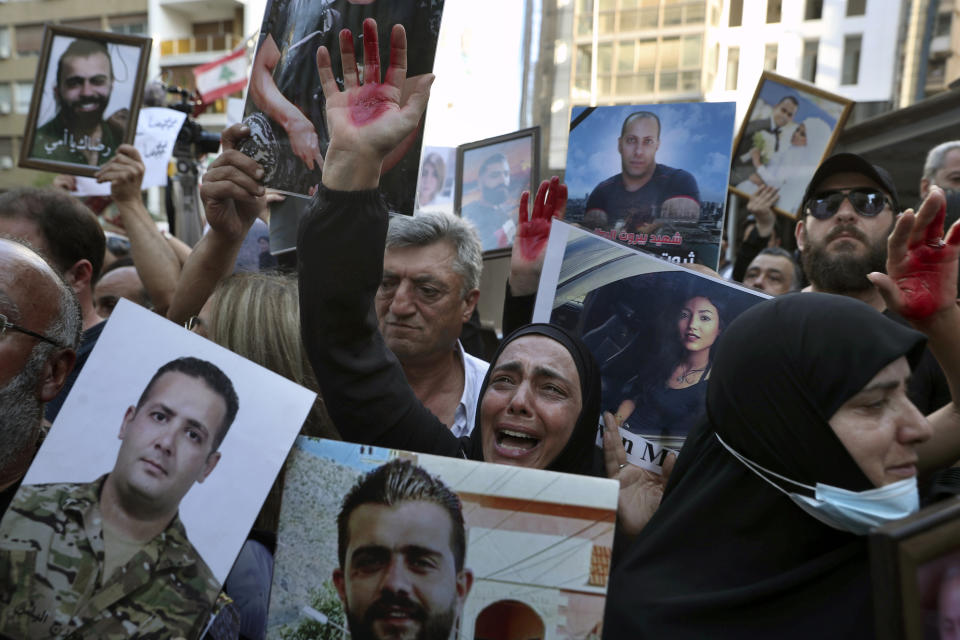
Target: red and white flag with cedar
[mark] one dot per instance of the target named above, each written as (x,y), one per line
(223,76)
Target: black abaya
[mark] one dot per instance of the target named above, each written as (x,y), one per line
(728,556)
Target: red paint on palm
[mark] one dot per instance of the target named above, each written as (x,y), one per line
(922,279)
(369,102)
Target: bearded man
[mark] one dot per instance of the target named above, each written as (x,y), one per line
(78,134)
(39,333)
(849,210)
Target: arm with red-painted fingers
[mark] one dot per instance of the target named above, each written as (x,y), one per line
(156,263)
(340,247)
(529,249)
(921,285)
(232,197)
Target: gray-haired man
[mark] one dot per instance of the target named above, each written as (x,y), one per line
(430,287)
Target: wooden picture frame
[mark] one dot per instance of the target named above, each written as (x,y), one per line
(520,151)
(789,166)
(908,560)
(43,146)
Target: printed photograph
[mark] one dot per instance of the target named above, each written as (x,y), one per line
(285,103)
(438,169)
(86,100)
(491,175)
(915,570)
(790,127)
(373,540)
(652,326)
(652,176)
(146,486)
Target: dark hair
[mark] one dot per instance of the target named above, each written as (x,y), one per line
(69,229)
(497,157)
(640,115)
(402,481)
(81,48)
(795,102)
(779,252)
(675,348)
(215,379)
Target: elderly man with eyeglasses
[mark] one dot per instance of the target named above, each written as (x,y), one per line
(39,333)
(849,209)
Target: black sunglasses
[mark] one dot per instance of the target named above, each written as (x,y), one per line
(867,201)
(6,324)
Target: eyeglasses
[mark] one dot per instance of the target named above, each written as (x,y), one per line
(192,323)
(866,201)
(6,324)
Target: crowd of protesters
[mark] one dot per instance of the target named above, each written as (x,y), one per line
(820,405)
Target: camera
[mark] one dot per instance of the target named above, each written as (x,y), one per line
(192,141)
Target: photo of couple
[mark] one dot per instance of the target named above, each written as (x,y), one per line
(788,130)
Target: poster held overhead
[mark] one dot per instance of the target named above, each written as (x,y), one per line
(790,127)
(285,102)
(86,100)
(652,176)
(491,175)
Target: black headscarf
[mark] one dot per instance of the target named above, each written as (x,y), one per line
(728,556)
(577,455)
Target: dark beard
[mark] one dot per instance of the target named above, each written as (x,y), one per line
(495,195)
(20,409)
(842,272)
(432,627)
(83,122)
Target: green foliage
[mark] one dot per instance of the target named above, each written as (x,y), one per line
(325,600)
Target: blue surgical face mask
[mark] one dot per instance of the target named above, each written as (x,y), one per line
(853,511)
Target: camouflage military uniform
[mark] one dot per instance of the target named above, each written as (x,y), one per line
(51,582)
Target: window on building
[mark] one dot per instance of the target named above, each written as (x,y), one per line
(736,13)
(6,98)
(29,38)
(23,91)
(694,13)
(94,24)
(605,69)
(733,67)
(672,15)
(770,56)
(774,8)
(6,150)
(942,26)
(583,67)
(4,42)
(808,66)
(690,52)
(813,10)
(851,59)
(133,24)
(856,7)
(626,56)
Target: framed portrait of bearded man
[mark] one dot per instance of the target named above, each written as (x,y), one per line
(86,99)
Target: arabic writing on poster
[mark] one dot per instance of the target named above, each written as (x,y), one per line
(157,130)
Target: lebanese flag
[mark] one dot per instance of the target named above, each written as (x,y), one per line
(223,76)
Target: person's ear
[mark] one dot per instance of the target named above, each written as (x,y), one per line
(464,583)
(127,417)
(924,188)
(798,234)
(469,304)
(338,583)
(80,275)
(55,372)
(208,466)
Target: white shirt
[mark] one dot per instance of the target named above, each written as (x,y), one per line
(474,370)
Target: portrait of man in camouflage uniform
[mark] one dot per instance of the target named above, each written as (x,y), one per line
(111,558)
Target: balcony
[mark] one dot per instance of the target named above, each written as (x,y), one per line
(219,43)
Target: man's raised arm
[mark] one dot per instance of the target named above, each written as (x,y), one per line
(340,253)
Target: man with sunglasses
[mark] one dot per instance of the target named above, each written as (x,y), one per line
(848,212)
(39,332)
